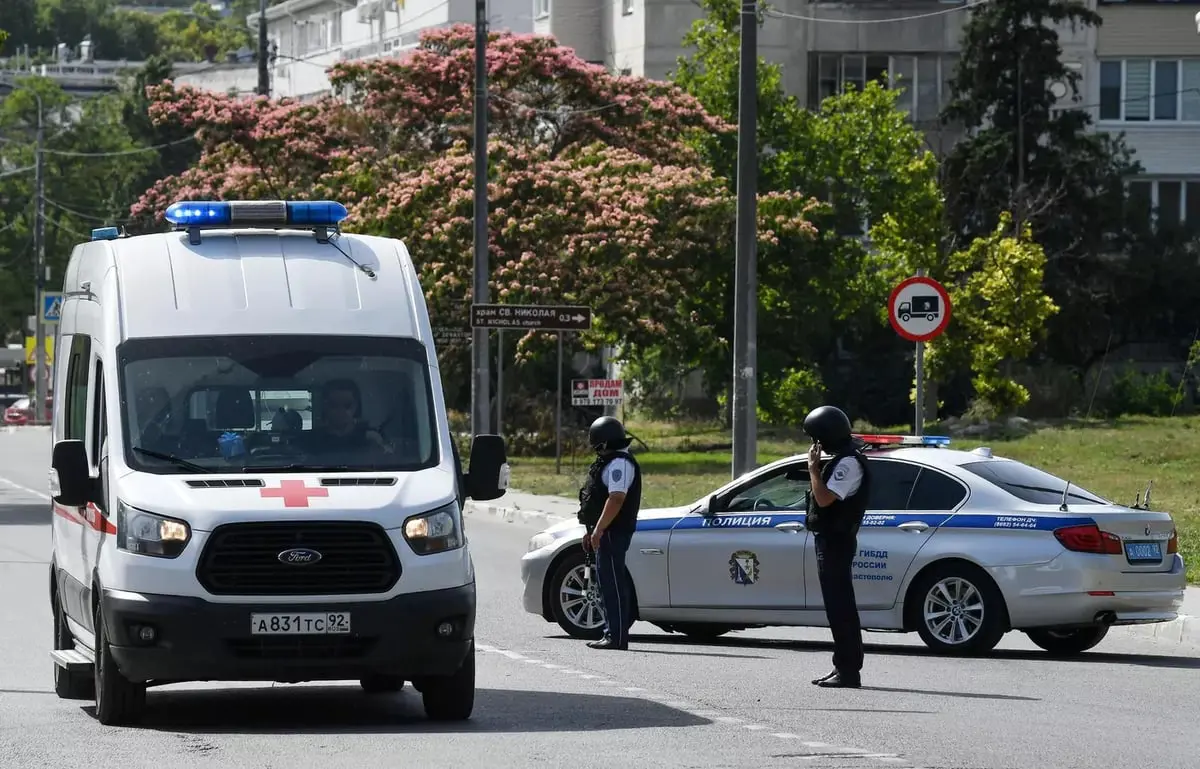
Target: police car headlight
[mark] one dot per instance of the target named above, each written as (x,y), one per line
(436,531)
(538,541)
(148,534)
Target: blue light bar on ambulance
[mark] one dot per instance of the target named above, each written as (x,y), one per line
(106,233)
(264,213)
(881,441)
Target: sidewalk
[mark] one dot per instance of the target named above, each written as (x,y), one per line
(520,507)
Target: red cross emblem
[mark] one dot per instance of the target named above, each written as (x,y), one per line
(295,493)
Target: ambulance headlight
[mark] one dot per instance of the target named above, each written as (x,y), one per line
(436,531)
(149,534)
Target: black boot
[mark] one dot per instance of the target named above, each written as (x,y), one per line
(817,681)
(839,681)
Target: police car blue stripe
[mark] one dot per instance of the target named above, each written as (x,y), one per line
(765,520)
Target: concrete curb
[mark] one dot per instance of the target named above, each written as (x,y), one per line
(1184,631)
(514,514)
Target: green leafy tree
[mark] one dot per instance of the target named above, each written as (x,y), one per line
(859,155)
(1000,311)
(1068,184)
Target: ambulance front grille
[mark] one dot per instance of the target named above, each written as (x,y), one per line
(245,559)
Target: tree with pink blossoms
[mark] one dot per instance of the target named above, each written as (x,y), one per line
(597,195)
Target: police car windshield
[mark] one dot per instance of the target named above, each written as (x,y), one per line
(233,404)
(1030,484)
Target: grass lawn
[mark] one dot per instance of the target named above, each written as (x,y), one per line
(1112,459)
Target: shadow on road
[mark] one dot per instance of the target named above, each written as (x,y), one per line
(347,710)
(23,514)
(1091,657)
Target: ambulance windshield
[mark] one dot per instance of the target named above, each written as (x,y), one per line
(236,404)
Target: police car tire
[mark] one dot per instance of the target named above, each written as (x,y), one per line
(994,624)
(1067,641)
(119,701)
(381,684)
(67,684)
(452,697)
(569,563)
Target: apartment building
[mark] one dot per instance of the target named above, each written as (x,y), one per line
(1145,82)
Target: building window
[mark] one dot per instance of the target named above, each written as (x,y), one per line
(335,29)
(541,8)
(626,7)
(1141,90)
(1167,201)
(923,80)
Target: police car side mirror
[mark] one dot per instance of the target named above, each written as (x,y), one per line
(72,485)
(710,506)
(488,474)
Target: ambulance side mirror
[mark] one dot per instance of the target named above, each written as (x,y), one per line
(488,474)
(75,485)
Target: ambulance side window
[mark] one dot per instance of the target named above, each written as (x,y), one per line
(99,423)
(77,387)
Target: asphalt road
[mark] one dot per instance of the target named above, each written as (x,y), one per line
(545,700)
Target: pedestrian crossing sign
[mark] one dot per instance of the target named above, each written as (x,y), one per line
(51,306)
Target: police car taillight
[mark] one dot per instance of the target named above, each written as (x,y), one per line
(1173,542)
(891,441)
(1088,539)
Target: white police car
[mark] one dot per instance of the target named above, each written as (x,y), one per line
(959,546)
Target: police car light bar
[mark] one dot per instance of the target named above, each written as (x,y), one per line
(194,215)
(904,440)
(106,233)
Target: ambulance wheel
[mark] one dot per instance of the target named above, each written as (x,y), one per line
(957,609)
(452,697)
(68,685)
(119,701)
(381,684)
(578,611)
(1067,641)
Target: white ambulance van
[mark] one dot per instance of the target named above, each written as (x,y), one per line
(253,473)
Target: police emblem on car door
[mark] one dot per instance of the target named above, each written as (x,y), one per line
(743,567)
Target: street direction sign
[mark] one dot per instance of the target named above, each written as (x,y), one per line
(51,306)
(531,316)
(919,309)
(597,392)
(442,334)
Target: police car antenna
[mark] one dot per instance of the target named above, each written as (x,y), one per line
(1149,486)
(1066,490)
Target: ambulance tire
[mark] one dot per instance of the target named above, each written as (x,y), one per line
(68,685)
(452,697)
(381,684)
(119,701)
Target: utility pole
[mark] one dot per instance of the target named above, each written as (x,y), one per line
(745,284)
(39,238)
(481,407)
(264,77)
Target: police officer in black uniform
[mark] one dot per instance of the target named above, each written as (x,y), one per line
(839,493)
(608,506)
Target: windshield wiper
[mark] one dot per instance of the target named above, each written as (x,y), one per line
(178,461)
(295,468)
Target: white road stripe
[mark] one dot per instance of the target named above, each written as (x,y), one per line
(25,489)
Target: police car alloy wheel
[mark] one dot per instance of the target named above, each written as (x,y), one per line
(1068,641)
(576,604)
(958,609)
(119,701)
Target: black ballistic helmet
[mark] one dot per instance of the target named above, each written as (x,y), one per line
(607,434)
(829,426)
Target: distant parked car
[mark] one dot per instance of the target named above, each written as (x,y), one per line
(21,412)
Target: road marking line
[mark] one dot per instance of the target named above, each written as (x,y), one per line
(26,489)
(714,715)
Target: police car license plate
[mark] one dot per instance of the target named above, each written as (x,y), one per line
(300,624)
(1143,552)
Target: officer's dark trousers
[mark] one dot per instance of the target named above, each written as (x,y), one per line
(614,584)
(835,554)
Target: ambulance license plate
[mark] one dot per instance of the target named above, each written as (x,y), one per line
(300,624)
